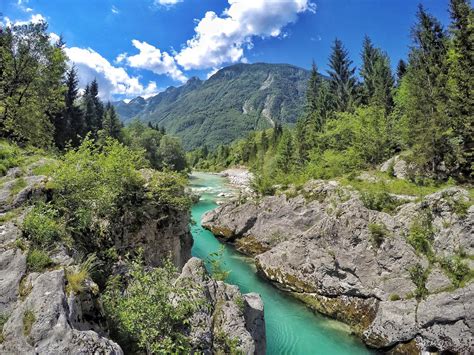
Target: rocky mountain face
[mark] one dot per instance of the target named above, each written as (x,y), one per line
(322,245)
(232,102)
(40,316)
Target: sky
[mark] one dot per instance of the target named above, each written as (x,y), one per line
(141,47)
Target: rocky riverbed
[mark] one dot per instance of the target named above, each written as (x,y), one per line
(391,276)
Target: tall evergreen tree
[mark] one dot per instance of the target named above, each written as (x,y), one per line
(383,83)
(70,124)
(461,82)
(284,154)
(343,84)
(369,57)
(401,70)
(426,81)
(111,124)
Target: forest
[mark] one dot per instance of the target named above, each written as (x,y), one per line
(422,112)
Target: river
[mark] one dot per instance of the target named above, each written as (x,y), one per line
(290,326)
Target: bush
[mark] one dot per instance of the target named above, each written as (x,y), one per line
(421,234)
(9,157)
(380,201)
(146,312)
(168,188)
(457,270)
(38,260)
(378,232)
(77,275)
(394,297)
(419,276)
(42,226)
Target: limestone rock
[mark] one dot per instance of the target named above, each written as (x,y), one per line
(228,319)
(326,255)
(42,324)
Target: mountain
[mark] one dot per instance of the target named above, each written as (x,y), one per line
(232,102)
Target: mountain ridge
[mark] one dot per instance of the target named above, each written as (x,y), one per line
(232,102)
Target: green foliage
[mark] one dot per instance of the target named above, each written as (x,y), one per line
(421,233)
(217,265)
(3,320)
(394,297)
(42,226)
(38,260)
(146,311)
(30,96)
(168,188)
(9,157)
(379,200)
(418,276)
(378,232)
(29,319)
(77,275)
(18,185)
(457,269)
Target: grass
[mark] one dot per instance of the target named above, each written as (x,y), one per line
(75,281)
(18,185)
(29,319)
(38,260)
(42,226)
(3,320)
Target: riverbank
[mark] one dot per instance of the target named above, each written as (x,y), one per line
(291,327)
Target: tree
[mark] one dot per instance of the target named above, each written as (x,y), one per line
(284,154)
(93,108)
(69,124)
(401,70)
(429,132)
(343,84)
(171,154)
(111,125)
(369,57)
(31,83)
(264,142)
(461,82)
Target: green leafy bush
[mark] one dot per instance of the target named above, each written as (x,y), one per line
(418,276)
(217,265)
(457,270)
(9,157)
(168,188)
(38,260)
(420,235)
(42,226)
(146,312)
(379,201)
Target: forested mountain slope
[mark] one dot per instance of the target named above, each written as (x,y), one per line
(233,101)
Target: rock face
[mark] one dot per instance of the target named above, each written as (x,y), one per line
(41,317)
(230,322)
(352,263)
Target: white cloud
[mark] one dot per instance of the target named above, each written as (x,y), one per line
(53,37)
(167,2)
(114,10)
(113,81)
(35,18)
(222,39)
(151,58)
(212,72)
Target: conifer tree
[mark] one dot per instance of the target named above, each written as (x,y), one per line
(369,58)
(401,70)
(264,142)
(461,82)
(284,154)
(343,84)
(111,124)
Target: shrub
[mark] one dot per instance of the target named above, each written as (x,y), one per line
(77,275)
(217,265)
(394,297)
(9,157)
(379,201)
(146,312)
(378,232)
(457,270)
(38,260)
(41,226)
(28,320)
(419,276)
(421,234)
(168,188)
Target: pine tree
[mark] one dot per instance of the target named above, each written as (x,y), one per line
(72,121)
(369,58)
(343,84)
(98,106)
(264,142)
(276,134)
(426,82)
(284,154)
(401,70)
(461,82)
(111,125)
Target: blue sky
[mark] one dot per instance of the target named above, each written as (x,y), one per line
(140,47)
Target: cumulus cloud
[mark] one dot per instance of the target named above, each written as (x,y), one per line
(114,10)
(151,58)
(113,81)
(222,39)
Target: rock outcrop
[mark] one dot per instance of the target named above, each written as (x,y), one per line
(229,322)
(39,314)
(356,265)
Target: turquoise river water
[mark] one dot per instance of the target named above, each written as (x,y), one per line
(290,326)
